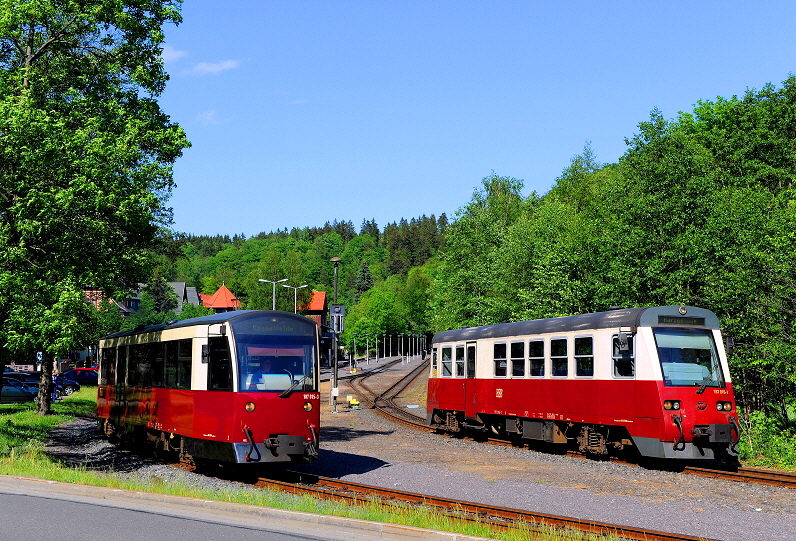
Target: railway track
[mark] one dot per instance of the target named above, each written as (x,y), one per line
(499,518)
(383,403)
(748,475)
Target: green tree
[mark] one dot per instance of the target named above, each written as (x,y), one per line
(85,163)
(466,289)
(162,294)
(363,282)
(192,310)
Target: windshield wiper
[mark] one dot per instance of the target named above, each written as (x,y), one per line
(289,391)
(704,385)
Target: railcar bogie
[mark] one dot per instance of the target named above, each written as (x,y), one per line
(648,382)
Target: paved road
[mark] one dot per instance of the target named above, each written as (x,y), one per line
(83,513)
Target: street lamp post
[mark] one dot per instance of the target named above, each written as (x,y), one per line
(336,261)
(274,293)
(295,295)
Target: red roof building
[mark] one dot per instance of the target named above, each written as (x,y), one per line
(318,308)
(221,301)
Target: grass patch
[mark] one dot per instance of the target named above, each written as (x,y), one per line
(23,432)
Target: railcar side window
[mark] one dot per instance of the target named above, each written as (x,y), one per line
(447,369)
(170,368)
(220,365)
(108,369)
(156,350)
(459,361)
(121,366)
(558,356)
(184,362)
(471,361)
(584,356)
(500,360)
(140,365)
(518,359)
(536,357)
(624,356)
(178,364)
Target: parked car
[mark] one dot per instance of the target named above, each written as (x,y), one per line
(83,376)
(16,390)
(65,385)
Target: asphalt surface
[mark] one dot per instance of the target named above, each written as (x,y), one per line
(32,510)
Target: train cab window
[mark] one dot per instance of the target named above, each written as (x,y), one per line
(558,357)
(536,357)
(500,360)
(433,362)
(689,357)
(220,369)
(584,356)
(624,356)
(459,361)
(518,359)
(447,360)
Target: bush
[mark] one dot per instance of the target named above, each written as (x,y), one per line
(767,443)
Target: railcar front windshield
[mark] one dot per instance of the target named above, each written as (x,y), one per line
(689,357)
(276,354)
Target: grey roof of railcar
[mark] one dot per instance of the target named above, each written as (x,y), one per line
(625,317)
(221,317)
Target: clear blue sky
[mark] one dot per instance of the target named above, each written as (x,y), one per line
(306,111)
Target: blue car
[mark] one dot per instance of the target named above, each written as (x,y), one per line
(65,386)
(83,376)
(16,390)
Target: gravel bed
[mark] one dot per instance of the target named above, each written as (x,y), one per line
(361,445)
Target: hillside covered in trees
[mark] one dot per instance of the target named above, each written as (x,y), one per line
(700,210)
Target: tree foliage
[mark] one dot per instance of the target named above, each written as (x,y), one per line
(85,162)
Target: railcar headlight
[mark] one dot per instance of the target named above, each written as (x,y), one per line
(723,406)
(671,404)
(250,406)
(307,406)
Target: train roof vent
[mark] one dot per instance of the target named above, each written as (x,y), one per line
(614,308)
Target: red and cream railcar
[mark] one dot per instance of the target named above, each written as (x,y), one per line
(654,379)
(235,387)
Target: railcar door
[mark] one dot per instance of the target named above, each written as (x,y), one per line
(469,381)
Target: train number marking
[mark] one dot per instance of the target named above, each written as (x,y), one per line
(498,393)
(721,391)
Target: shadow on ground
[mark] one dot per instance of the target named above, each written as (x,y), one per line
(337,464)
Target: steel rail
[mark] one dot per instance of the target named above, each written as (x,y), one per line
(498,517)
(748,475)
